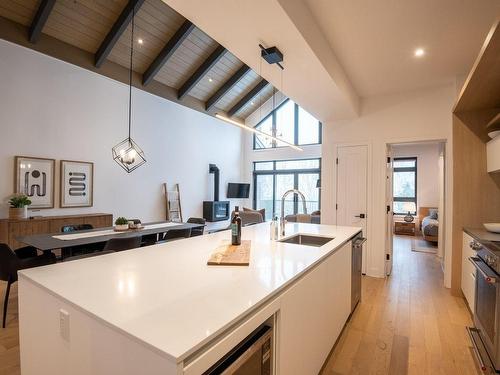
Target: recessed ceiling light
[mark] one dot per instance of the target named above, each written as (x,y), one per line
(210,80)
(419,52)
(140,41)
(252,103)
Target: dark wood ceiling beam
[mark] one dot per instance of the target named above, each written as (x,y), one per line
(116,31)
(201,71)
(16,33)
(251,94)
(167,51)
(41,17)
(226,87)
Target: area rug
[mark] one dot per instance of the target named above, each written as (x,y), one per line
(423,246)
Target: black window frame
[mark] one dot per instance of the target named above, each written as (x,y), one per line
(296,128)
(406,169)
(275,172)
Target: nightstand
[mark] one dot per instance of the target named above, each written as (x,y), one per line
(402,227)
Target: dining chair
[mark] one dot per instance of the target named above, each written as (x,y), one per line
(80,249)
(197,231)
(124,243)
(175,234)
(75,227)
(148,239)
(20,259)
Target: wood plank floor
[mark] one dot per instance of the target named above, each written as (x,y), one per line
(406,324)
(9,336)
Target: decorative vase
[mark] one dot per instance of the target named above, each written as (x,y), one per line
(409,218)
(121,227)
(18,213)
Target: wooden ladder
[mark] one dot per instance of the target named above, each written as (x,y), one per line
(173,203)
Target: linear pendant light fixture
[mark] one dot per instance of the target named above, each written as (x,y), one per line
(256,131)
(273,56)
(127,153)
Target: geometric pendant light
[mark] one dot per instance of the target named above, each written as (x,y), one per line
(127,153)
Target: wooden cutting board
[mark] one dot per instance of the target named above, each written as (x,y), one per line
(229,255)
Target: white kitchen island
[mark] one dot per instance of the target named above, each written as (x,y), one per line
(162,310)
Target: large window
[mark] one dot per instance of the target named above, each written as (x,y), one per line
(290,123)
(273,178)
(405,185)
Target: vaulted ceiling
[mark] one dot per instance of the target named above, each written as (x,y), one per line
(170,53)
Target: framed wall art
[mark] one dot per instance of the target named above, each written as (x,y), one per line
(35,177)
(77,183)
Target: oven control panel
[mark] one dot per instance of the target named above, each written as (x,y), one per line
(474,245)
(490,258)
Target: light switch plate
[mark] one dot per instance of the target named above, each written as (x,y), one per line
(64,324)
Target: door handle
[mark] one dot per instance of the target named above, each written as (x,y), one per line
(361,216)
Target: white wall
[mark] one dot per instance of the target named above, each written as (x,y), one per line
(406,117)
(52,109)
(427,155)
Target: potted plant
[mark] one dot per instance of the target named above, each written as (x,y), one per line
(121,224)
(18,206)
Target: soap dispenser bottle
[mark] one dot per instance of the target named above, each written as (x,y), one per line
(274,230)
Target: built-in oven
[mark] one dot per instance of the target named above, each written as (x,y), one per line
(253,356)
(484,335)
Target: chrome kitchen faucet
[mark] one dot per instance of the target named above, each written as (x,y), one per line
(282,219)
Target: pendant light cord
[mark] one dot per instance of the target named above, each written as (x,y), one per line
(130,73)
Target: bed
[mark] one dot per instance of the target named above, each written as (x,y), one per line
(429,223)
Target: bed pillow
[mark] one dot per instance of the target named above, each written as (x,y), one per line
(433,213)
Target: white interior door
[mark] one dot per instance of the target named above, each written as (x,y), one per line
(352,185)
(389,212)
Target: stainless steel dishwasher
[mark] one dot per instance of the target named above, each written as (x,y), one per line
(356,266)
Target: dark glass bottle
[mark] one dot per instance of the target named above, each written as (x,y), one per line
(236,227)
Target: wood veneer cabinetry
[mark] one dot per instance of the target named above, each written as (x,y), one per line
(476,193)
(10,229)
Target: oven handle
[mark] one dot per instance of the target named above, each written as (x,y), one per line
(475,349)
(489,276)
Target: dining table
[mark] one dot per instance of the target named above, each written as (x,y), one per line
(51,241)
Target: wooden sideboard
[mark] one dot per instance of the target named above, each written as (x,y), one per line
(10,229)
(402,227)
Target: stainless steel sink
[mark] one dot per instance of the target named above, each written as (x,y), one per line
(307,240)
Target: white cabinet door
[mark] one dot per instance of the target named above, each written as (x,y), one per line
(302,318)
(339,290)
(312,314)
(468,272)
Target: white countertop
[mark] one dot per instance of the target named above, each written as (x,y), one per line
(167,297)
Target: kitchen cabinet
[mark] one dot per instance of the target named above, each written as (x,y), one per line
(468,272)
(196,314)
(313,313)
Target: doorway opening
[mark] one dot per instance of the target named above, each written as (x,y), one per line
(415,197)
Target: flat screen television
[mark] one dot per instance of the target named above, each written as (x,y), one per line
(238,190)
